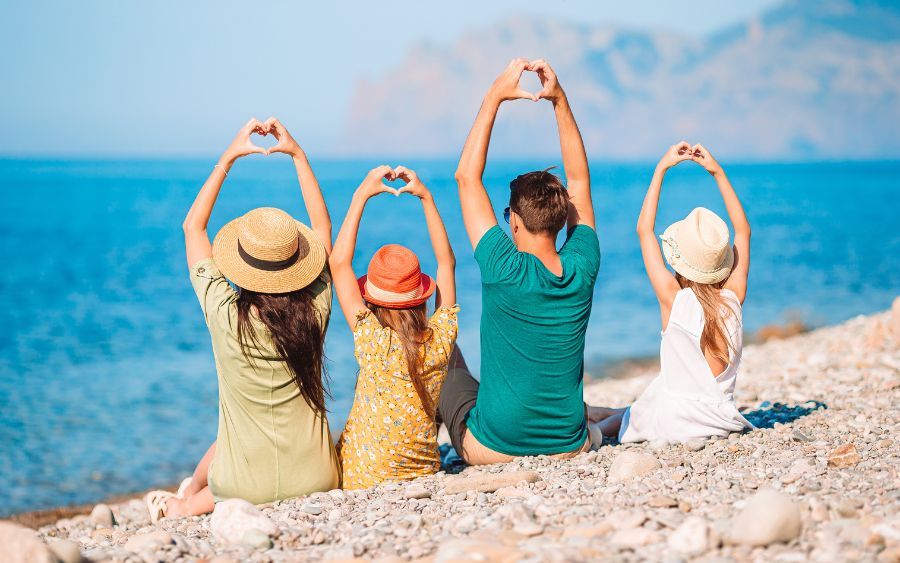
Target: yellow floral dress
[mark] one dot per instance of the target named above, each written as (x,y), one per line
(389,436)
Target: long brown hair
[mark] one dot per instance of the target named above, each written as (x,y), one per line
(411,327)
(715,339)
(293,324)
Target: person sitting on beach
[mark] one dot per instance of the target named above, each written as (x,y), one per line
(536,301)
(268,341)
(391,433)
(700,305)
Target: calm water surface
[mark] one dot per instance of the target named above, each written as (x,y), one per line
(107,382)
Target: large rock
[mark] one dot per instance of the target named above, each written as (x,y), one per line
(19,544)
(768,517)
(489,482)
(233,518)
(691,537)
(632,464)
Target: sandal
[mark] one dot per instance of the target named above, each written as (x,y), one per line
(156,504)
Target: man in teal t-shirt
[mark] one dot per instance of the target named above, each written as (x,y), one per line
(536,301)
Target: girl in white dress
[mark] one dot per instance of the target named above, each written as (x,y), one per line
(700,308)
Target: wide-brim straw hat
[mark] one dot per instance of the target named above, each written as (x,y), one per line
(699,247)
(268,251)
(395,280)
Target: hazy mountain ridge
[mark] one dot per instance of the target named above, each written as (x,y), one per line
(802,81)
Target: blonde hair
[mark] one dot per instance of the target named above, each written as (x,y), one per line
(411,327)
(715,339)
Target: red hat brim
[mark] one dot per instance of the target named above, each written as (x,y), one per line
(428,287)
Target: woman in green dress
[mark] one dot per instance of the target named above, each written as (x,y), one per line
(267,337)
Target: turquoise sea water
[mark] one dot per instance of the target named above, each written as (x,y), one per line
(107,382)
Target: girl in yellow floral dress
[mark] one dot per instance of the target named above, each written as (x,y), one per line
(391,434)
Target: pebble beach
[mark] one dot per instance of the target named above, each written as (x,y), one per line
(819,479)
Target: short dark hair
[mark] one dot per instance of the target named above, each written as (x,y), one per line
(541,200)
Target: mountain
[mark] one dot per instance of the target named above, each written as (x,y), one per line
(806,80)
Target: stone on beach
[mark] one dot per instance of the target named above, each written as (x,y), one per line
(66,551)
(695,445)
(416,491)
(662,501)
(148,541)
(632,464)
(798,470)
(233,518)
(22,545)
(634,537)
(102,515)
(469,550)
(691,537)
(845,455)
(257,539)
(767,517)
(489,482)
(310,508)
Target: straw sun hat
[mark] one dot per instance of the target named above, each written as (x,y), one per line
(698,247)
(268,251)
(395,279)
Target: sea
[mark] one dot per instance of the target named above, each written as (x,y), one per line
(107,381)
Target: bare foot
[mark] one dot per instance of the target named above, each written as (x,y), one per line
(175,507)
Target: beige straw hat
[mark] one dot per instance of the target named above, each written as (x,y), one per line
(699,247)
(268,251)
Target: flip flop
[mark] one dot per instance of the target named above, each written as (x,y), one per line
(183,487)
(156,504)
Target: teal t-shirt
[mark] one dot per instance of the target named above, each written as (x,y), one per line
(533,324)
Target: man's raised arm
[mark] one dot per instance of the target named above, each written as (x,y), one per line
(478,214)
(578,176)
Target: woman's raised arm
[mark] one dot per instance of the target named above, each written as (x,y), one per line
(664,284)
(341,259)
(309,187)
(440,242)
(196,239)
(737,281)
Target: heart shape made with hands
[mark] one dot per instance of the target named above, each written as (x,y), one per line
(266,133)
(396,179)
(518,81)
(694,151)
(530,82)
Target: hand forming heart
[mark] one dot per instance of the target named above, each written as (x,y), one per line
(374,182)
(243,145)
(682,151)
(506,86)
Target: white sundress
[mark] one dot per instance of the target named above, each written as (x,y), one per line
(685,401)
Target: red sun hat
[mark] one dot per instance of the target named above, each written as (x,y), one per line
(395,280)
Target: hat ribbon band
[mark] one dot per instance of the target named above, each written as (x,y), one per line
(676,254)
(268,265)
(392,296)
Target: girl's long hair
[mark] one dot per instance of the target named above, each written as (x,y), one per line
(715,339)
(293,324)
(411,327)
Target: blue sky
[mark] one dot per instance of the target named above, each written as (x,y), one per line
(177,78)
